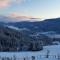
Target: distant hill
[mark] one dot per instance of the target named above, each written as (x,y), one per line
(28,36)
(46,25)
(35,26)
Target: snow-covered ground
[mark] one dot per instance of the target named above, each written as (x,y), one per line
(52,51)
(16,28)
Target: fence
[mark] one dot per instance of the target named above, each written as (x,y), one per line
(31,57)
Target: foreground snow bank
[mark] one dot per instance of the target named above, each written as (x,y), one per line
(48,53)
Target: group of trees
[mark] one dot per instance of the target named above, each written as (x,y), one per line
(12,40)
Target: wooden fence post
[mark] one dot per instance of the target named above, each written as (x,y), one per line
(58,56)
(33,57)
(24,59)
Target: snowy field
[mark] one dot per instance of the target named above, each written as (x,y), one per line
(48,53)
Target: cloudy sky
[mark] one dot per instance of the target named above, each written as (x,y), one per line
(30,8)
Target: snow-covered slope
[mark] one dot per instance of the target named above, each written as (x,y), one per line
(54,52)
(16,28)
(12,27)
(50,34)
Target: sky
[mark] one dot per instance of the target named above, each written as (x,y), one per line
(43,9)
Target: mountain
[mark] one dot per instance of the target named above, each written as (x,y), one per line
(35,26)
(28,36)
(40,26)
(14,39)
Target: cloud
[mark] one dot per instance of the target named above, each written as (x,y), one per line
(4,3)
(19,1)
(7,3)
(21,17)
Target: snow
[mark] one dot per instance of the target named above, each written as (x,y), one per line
(54,51)
(54,36)
(16,28)
(50,34)
(12,27)
(56,42)
(46,33)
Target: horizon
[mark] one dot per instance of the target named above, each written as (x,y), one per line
(6,19)
(30,9)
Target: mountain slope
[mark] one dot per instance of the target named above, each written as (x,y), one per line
(46,25)
(24,36)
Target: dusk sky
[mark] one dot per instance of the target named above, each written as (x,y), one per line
(31,8)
